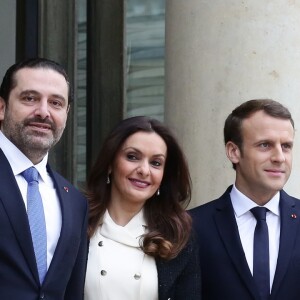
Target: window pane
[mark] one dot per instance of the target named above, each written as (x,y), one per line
(81,94)
(145,43)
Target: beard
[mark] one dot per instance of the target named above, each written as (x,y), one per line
(33,143)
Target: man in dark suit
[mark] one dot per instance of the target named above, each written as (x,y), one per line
(43,244)
(259,138)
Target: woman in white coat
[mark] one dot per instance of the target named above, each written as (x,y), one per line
(141,247)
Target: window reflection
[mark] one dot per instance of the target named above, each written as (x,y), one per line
(145,43)
(81,94)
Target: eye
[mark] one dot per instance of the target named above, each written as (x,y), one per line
(56,103)
(286,146)
(157,163)
(29,98)
(264,145)
(131,156)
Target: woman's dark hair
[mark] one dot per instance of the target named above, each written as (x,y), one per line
(169,225)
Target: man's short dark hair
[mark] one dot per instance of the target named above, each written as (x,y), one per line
(233,123)
(9,80)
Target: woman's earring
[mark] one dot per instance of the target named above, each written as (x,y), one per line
(158,192)
(107,180)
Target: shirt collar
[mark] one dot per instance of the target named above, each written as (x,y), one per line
(242,204)
(18,161)
(129,235)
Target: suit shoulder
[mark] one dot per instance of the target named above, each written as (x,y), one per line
(206,207)
(63,181)
(289,199)
(68,187)
(212,205)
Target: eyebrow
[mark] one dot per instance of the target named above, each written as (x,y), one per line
(137,150)
(291,143)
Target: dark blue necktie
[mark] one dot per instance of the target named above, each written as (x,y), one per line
(36,218)
(261,268)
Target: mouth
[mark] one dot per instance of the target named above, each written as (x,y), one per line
(275,171)
(139,183)
(39,125)
(43,126)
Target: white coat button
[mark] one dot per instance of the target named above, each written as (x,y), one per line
(103,272)
(137,276)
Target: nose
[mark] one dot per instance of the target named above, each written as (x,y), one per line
(278,155)
(42,109)
(143,169)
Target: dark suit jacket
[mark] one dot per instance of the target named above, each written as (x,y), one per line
(224,269)
(18,271)
(179,278)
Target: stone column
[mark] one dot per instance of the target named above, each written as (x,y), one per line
(218,55)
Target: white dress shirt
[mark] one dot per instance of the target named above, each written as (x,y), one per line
(117,268)
(246,223)
(19,163)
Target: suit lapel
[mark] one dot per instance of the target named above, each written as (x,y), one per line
(228,231)
(65,238)
(13,203)
(289,224)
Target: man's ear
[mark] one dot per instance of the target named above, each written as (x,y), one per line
(233,152)
(2,108)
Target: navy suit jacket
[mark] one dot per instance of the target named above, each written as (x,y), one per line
(18,271)
(224,269)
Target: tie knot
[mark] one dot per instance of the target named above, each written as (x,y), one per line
(259,212)
(31,174)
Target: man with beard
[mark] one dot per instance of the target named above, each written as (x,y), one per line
(42,216)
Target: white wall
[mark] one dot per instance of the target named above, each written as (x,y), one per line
(218,55)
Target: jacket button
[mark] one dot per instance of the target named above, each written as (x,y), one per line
(42,296)
(103,272)
(137,276)
(100,244)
